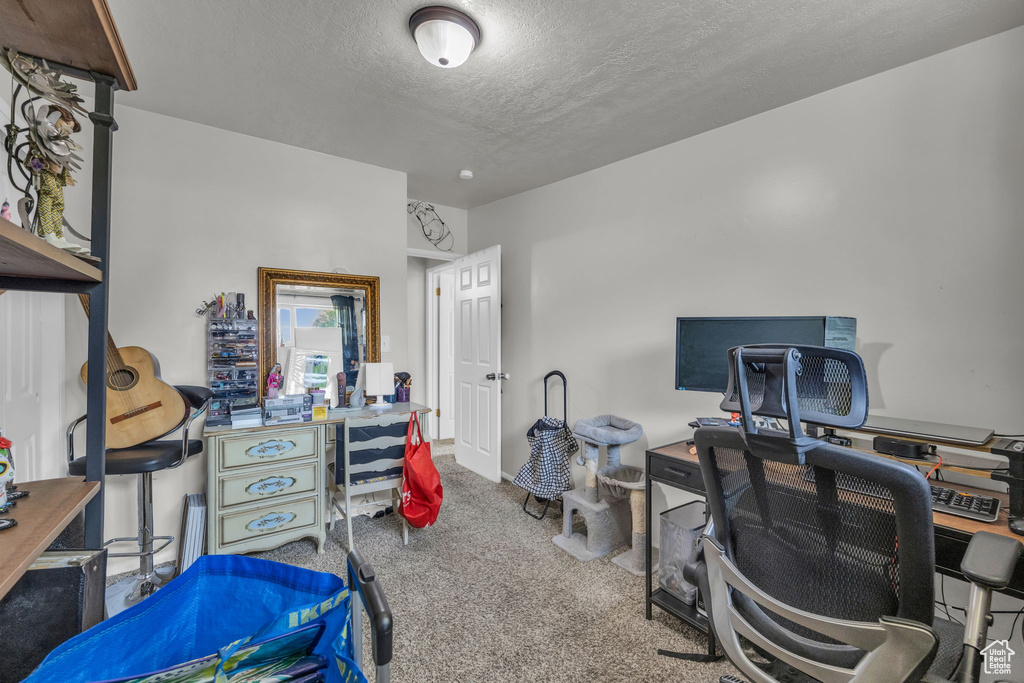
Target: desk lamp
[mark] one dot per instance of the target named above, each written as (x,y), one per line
(380,382)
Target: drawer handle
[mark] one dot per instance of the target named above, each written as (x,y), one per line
(268,486)
(270,449)
(270,522)
(681,473)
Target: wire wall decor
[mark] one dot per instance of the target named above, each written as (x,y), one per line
(434,228)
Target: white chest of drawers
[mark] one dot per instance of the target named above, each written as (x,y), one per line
(266,486)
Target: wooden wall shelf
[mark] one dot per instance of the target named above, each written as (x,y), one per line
(23,254)
(78,33)
(50,506)
(78,37)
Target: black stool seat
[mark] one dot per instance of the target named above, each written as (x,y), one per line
(147,457)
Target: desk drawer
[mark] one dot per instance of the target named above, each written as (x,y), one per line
(277,517)
(268,483)
(268,447)
(676,472)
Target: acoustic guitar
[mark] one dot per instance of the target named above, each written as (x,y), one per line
(140,406)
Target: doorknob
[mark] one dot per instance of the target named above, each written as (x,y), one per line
(500,375)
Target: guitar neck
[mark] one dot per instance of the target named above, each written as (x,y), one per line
(112,352)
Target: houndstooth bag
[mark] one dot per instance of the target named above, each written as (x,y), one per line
(546,474)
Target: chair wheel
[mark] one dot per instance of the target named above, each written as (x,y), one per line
(729,678)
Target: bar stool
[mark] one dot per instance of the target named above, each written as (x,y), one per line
(143,460)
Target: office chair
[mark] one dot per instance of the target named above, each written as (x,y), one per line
(822,557)
(143,460)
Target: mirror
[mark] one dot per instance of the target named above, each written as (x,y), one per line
(315,325)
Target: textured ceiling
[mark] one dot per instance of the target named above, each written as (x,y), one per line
(557,87)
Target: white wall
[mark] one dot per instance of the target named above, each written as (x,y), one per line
(896,199)
(197,210)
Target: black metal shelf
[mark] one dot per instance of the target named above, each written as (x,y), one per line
(79,38)
(679,609)
(659,596)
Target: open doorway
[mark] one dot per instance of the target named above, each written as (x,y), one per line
(423,331)
(440,281)
(460,324)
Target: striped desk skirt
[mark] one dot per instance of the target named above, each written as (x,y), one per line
(370,449)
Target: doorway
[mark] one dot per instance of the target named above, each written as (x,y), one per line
(478,374)
(463,357)
(423,334)
(441,348)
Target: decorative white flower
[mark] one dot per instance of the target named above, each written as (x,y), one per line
(41,80)
(50,131)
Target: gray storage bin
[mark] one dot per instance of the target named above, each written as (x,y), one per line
(681,529)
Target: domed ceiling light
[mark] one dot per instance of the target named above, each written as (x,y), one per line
(444,35)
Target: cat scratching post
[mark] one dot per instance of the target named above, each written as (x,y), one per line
(591,467)
(633,559)
(601,503)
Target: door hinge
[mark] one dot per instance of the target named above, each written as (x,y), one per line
(438,292)
(437,412)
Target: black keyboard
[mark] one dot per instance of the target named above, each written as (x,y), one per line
(952,502)
(949,501)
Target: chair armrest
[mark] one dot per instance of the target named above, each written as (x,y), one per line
(71,437)
(363,583)
(695,572)
(196,396)
(198,399)
(695,565)
(990,560)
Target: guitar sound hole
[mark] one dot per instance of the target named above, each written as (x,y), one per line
(122,378)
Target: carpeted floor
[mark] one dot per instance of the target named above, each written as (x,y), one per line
(484,596)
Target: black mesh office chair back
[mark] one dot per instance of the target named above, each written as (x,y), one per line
(821,556)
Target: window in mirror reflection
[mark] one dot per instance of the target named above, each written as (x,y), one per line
(318,326)
(284,327)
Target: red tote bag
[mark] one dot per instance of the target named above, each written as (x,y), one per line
(421,483)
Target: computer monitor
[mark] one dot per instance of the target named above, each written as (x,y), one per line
(702,343)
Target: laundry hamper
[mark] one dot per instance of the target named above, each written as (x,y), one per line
(229,617)
(681,529)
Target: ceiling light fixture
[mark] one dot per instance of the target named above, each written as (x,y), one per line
(444,35)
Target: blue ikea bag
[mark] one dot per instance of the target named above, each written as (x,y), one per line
(219,608)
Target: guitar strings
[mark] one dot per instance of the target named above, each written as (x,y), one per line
(115,364)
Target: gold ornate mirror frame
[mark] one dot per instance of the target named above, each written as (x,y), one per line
(269,278)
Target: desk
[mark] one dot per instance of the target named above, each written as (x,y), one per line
(267,484)
(673,465)
(41,516)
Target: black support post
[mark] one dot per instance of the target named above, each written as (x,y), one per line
(103,127)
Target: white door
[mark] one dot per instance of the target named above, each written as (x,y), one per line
(31,381)
(478,362)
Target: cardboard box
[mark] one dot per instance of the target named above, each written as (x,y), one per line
(288,409)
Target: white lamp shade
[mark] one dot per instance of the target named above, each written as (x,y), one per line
(380,379)
(444,43)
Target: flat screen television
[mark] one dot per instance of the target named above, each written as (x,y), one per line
(702,343)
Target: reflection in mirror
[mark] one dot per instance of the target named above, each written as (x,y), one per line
(321,331)
(316,327)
